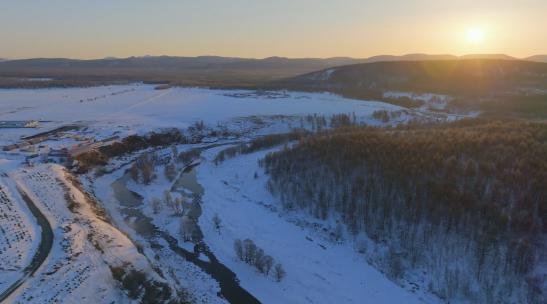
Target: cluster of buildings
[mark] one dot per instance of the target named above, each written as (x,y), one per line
(68,146)
(62,155)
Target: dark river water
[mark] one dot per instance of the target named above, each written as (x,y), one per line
(130,207)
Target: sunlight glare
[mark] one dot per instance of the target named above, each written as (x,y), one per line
(475,35)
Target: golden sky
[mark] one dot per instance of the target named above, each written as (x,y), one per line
(257,28)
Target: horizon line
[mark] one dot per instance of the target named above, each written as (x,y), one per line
(273,56)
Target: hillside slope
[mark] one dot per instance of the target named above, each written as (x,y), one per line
(461,77)
(464,203)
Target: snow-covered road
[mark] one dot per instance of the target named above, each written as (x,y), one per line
(46,243)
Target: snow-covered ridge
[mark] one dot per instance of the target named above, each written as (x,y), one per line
(322,75)
(84,249)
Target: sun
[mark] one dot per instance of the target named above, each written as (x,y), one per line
(475,35)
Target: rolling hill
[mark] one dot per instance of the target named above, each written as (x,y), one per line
(538,58)
(493,86)
(460,77)
(211,71)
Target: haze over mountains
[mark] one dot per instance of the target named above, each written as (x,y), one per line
(230,62)
(211,71)
(539,58)
(440,76)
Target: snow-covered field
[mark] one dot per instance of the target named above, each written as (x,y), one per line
(138,108)
(318,269)
(86,245)
(18,234)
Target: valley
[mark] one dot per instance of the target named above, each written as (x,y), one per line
(153,236)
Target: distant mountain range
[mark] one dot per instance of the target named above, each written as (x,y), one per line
(198,71)
(211,71)
(217,62)
(422,57)
(173,63)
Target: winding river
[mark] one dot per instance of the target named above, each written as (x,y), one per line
(131,203)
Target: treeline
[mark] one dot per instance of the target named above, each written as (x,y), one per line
(466,202)
(248,252)
(386,116)
(257,144)
(133,143)
(143,168)
(307,125)
(130,144)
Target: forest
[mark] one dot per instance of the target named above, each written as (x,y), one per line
(463,203)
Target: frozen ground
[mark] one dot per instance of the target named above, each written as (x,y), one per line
(318,269)
(200,286)
(139,108)
(18,234)
(86,246)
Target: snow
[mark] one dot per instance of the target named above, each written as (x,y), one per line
(77,268)
(318,270)
(200,286)
(431,100)
(19,234)
(336,274)
(323,75)
(134,108)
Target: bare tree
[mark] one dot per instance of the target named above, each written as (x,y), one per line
(396,269)
(168,199)
(238,248)
(279,272)
(147,171)
(338,232)
(258,260)
(156,205)
(134,171)
(186,228)
(174,152)
(268,262)
(249,249)
(170,171)
(217,222)
(178,206)
(251,254)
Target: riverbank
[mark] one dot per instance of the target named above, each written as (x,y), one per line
(319,270)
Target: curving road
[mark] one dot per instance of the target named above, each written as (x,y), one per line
(46,242)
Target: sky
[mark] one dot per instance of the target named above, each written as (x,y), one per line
(259,28)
